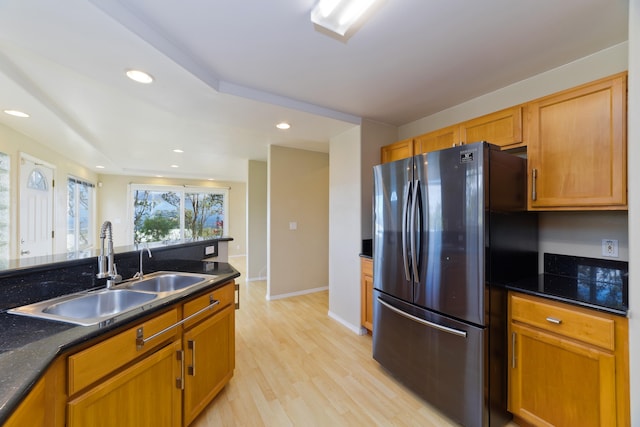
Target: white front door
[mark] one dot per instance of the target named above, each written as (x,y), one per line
(36,208)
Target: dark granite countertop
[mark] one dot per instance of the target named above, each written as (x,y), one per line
(29,345)
(586,282)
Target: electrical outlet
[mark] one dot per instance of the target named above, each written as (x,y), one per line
(210,250)
(610,248)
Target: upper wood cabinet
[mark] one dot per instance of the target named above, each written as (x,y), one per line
(577,145)
(502,128)
(396,151)
(436,140)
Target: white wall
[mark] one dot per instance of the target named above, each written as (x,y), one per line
(374,136)
(13,143)
(298,192)
(344,229)
(633,139)
(601,64)
(257,221)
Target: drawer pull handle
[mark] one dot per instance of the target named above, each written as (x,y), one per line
(554,320)
(141,341)
(192,369)
(180,380)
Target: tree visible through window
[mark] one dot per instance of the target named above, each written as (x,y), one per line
(172,213)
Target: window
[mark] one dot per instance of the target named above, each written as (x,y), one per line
(4,210)
(80,201)
(162,213)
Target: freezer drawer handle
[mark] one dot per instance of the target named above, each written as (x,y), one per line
(424,322)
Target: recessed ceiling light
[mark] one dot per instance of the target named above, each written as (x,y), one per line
(159,176)
(99,167)
(283,125)
(177,150)
(16,113)
(210,179)
(175,166)
(139,76)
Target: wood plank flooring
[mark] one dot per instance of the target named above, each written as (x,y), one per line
(295,366)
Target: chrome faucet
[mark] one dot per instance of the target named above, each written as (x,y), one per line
(140,273)
(110,270)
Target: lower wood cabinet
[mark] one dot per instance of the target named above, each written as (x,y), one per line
(144,394)
(569,366)
(209,358)
(45,405)
(366,293)
(162,371)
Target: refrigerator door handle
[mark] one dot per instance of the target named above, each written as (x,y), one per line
(414,255)
(405,229)
(442,328)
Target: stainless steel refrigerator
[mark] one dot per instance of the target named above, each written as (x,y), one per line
(450,229)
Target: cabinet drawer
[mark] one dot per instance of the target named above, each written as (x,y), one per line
(225,294)
(574,323)
(97,361)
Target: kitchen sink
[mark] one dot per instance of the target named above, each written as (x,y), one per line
(90,308)
(166,282)
(87,308)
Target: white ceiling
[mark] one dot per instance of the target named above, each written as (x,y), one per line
(228,70)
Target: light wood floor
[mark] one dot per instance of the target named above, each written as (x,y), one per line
(295,366)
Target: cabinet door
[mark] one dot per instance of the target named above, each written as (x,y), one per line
(503,128)
(45,403)
(366,287)
(210,360)
(145,394)
(558,382)
(437,140)
(396,151)
(577,147)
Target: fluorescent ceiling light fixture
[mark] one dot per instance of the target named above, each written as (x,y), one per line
(283,126)
(139,76)
(339,15)
(16,113)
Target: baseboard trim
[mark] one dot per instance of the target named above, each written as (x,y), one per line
(297,293)
(359,330)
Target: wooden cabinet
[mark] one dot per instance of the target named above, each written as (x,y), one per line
(210,352)
(366,293)
(396,151)
(93,363)
(502,128)
(44,406)
(577,147)
(162,371)
(436,140)
(144,394)
(568,365)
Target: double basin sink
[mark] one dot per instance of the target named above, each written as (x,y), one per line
(92,307)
